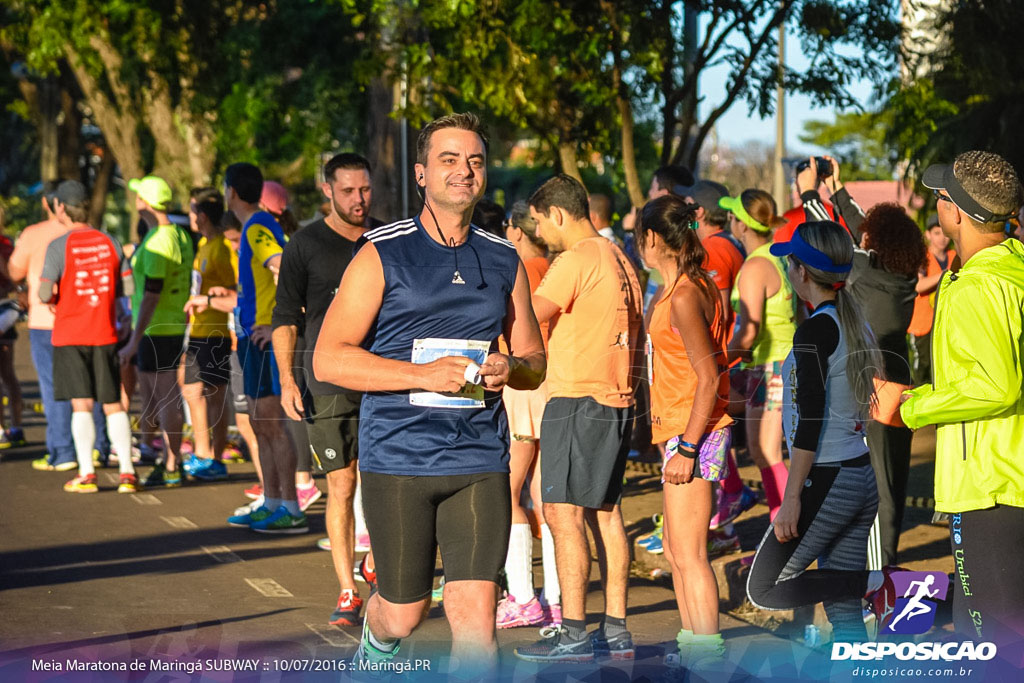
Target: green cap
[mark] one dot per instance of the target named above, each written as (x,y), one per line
(155,191)
(735,205)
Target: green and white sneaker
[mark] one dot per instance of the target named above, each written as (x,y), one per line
(370,661)
(281,522)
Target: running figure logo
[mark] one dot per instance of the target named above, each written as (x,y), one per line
(915,611)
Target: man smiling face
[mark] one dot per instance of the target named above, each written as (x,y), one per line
(455,172)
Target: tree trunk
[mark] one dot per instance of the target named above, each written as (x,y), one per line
(568,160)
(100,187)
(384,141)
(69,146)
(49,140)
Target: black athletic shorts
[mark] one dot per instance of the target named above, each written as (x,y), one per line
(208,360)
(86,372)
(585,445)
(468,516)
(160,354)
(333,431)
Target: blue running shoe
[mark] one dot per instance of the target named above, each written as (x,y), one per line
(655,547)
(247,519)
(659,524)
(190,463)
(209,470)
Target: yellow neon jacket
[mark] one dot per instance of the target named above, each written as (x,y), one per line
(975,398)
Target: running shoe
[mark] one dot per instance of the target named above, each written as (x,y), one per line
(362,543)
(209,470)
(249,507)
(161,476)
(882,602)
(99,459)
(659,524)
(85,483)
(556,647)
(281,522)
(247,519)
(616,647)
(368,574)
(512,614)
(43,464)
(16,437)
(187,446)
(655,547)
(370,661)
(306,495)
(722,543)
(552,614)
(129,483)
(232,454)
(325,544)
(347,611)
(254,492)
(5,441)
(190,462)
(437,594)
(729,507)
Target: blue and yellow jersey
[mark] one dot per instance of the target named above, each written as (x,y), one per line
(262,239)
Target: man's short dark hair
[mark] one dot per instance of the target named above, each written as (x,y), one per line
(246,180)
(209,202)
(991,181)
(669,177)
(490,216)
(464,121)
(346,160)
(566,193)
(77,214)
(601,206)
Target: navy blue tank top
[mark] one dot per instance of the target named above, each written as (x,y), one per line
(436,291)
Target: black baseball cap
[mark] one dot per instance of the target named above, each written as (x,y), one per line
(72,193)
(942,177)
(705,193)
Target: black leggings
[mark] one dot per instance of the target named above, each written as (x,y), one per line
(468,515)
(837,508)
(988,593)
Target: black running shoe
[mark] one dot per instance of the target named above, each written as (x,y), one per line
(617,647)
(555,647)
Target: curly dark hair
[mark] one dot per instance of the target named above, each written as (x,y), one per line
(895,238)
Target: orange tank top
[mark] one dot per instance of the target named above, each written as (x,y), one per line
(924,306)
(674,381)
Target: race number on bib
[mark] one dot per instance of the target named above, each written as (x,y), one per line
(428,350)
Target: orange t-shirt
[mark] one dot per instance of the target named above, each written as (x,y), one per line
(924,309)
(674,379)
(593,340)
(536,269)
(724,260)
(29,254)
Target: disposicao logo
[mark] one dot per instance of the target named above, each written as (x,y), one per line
(915,611)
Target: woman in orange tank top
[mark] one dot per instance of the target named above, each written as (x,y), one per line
(689,394)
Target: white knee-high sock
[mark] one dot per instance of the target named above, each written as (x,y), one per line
(83,433)
(552,589)
(119,429)
(519,563)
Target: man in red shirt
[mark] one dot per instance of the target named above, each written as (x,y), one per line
(85,272)
(725,255)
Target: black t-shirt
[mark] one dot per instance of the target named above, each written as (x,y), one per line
(311,268)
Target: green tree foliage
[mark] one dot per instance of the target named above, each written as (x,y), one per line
(858,141)
(973,96)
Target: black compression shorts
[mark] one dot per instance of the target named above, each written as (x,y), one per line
(467,515)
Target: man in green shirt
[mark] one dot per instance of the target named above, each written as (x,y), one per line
(162,269)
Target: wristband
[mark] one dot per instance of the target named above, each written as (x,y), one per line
(687,445)
(209,301)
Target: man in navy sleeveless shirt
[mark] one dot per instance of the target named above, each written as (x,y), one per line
(415,325)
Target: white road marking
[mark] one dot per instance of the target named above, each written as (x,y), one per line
(221,553)
(269,588)
(180,522)
(146,499)
(110,478)
(333,636)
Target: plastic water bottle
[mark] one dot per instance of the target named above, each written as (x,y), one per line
(812,635)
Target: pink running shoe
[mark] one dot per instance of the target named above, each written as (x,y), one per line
(511,614)
(307,495)
(729,507)
(552,615)
(362,543)
(187,447)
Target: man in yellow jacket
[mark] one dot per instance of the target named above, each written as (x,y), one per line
(975,399)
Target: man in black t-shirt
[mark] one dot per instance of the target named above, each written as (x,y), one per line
(311,268)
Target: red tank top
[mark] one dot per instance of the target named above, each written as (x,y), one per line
(90,272)
(674,379)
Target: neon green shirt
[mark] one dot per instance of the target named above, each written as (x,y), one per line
(165,254)
(774,338)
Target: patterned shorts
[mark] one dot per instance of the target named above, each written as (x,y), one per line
(713,452)
(761,385)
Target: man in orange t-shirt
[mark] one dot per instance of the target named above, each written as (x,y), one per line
(26,263)
(939,256)
(593,299)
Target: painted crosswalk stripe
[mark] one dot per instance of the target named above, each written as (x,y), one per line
(334,637)
(110,478)
(269,588)
(180,522)
(146,499)
(221,553)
